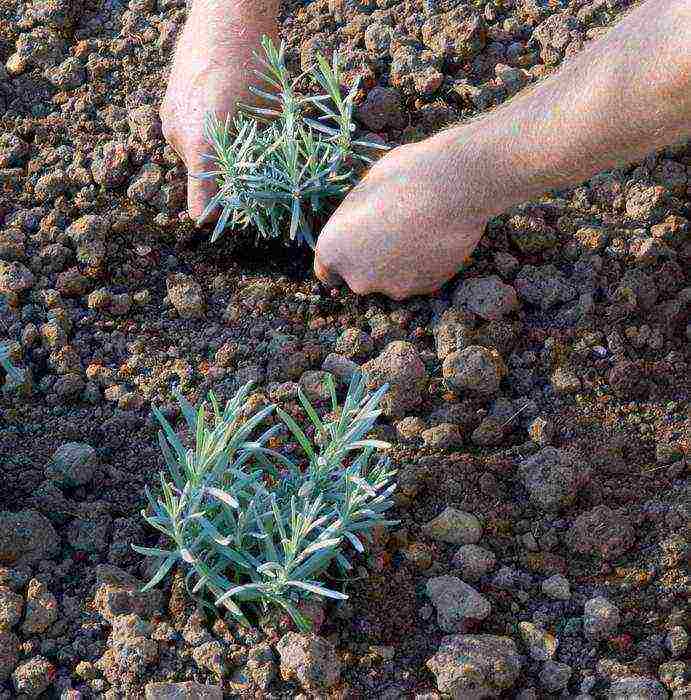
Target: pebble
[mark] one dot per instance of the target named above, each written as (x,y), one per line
(677,641)
(475,368)
(186,295)
(557,587)
(550,478)
(541,644)
(33,677)
(488,297)
(555,676)
(11,607)
(473,561)
(456,603)
(673,674)
(72,464)
(9,654)
(454,527)
(188,690)
(26,537)
(600,618)
(354,344)
(475,666)
(41,609)
(638,687)
(309,659)
(340,366)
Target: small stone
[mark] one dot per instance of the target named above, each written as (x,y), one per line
(33,677)
(541,431)
(410,428)
(41,609)
(418,554)
(210,655)
(354,344)
(341,367)
(454,527)
(119,593)
(550,478)
(72,464)
(26,537)
(601,531)
(489,432)
(110,165)
(442,437)
(544,286)
(488,297)
(600,618)
(677,641)
(15,277)
(309,659)
(457,604)
(314,385)
(473,561)
(9,654)
(555,676)
(565,381)
(636,688)
(542,645)
(400,366)
(531,234)
(470,667)
(186,295)
(11,607)
(475,368)
(557,587)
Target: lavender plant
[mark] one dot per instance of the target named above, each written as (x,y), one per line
(288,169)
(252,525)
(6,362)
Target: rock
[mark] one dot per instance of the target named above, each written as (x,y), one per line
(354,344)
(541,431)
(314,385)
(454,527)
(455,36)
(26,537)
(309,659)
(531,234)
(41,609)
(555,676)
(565,381)
(457,604)
(488,297)
(130,650)
(340,366)
(541,644)
(410,428)
(33,677)
(182,691)
(601,531)
(11,607)
(13,150)
(473,561)
(415,72)
(119,593)
(550,478)
(544,286)
(600,618)
(210,655)
(382,108)
(146,184)
(473,667)
(110,165)
(70,74)
(186,295)
(144,123)
(15,277)
(557,587)
(442,437)
(489,432)
(677,641)
(400,366)
(72,464)
(636,688)
(9,654)
(475,369)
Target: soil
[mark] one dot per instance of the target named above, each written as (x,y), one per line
(565,435)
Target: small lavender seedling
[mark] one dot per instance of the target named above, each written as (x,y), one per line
(6,362)
(277,176)
(253,525)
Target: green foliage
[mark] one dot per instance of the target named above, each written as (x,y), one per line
(6,362)
(253,525)
(287,169)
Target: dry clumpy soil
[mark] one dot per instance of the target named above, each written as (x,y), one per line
(538,410)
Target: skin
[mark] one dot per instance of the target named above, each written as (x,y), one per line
(422,208)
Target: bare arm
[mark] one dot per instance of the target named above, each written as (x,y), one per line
(612,104)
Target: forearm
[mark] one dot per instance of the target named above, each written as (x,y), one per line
(619,99)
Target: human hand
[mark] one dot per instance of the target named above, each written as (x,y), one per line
(407,227)
(211,72)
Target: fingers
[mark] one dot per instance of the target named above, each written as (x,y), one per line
(199,194)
